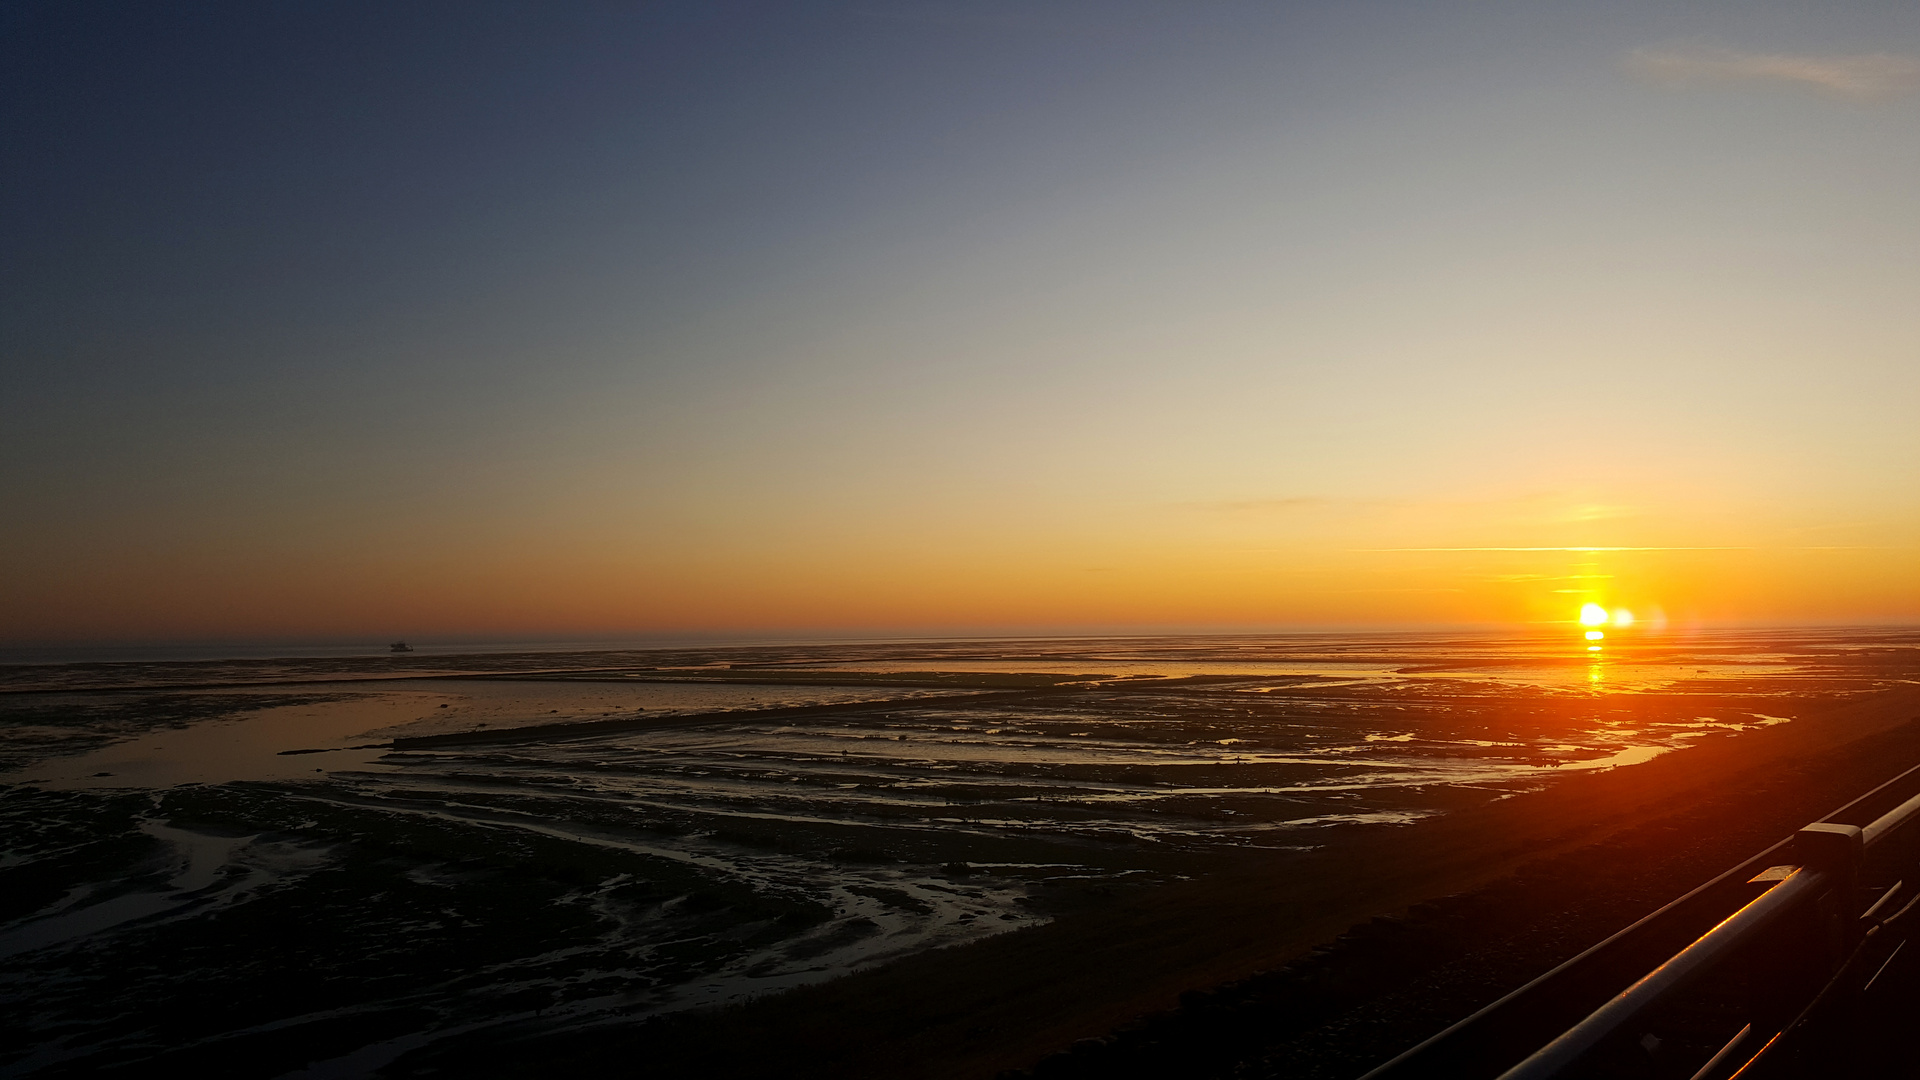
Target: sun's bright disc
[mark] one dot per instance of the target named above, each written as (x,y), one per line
(1592,615)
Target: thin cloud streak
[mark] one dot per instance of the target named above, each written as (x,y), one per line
(1817,547)
(1554,549)
(1861,76)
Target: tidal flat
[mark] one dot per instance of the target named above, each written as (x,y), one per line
(392,864)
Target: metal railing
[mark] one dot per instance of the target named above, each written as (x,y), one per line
(1802,886)
(1818,895)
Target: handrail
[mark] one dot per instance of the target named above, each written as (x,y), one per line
(1838,847)
(1466,1028)
(1890,821)
(1571,967)
(1732,933)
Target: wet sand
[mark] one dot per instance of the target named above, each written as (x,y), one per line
(1011,1001)
(950,873)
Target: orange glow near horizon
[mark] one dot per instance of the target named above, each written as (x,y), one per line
(939,571)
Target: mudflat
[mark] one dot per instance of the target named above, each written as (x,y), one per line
(922,859)
(1641,835)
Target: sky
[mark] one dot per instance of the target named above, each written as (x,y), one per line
(507,320)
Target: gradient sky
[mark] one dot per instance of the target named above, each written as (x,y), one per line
(515,319)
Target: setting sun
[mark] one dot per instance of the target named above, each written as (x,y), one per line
(988,539)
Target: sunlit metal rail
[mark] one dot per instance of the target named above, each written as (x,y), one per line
(1793,963)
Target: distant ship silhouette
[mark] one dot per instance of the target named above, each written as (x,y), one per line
(399,646)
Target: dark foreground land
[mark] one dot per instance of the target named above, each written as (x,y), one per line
(1279,972)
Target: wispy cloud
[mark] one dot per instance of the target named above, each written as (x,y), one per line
(1861,76)
(1827,547)
(1555,549)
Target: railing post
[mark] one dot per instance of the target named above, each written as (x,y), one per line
(1838,850)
